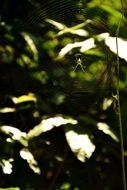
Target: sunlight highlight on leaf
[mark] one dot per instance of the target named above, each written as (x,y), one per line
(15,134)
(106,129)
(65,186)
(6,165)
(7,109)
(80,32)
(111,43)
(31,45)
(58,25)
(106,103)
(11,188)
(73,30)
(84,46)
(48,124)
(80,144)
(27,155)
(24,98)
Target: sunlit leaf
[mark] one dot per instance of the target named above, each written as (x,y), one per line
(106,129)
(111,43)
(6,165)
(80,32)
(11,188)
(27,155)
(15,134)
(24,98)
(80,144)
(83,45)
(31,45)
(7,109)
(65,186)
(58,25)
(106,103)
(48,124)
(76,29)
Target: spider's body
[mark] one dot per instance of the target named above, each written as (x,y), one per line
(79,62)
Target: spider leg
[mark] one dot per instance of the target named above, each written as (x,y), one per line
(75,67)
(82,67)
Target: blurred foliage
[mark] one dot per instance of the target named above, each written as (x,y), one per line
(58,106)
(10,188)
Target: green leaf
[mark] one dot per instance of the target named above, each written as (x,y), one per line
(11,188)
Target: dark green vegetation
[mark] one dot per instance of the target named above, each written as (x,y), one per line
(58,123)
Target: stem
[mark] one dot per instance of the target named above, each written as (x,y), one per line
(59,170)
(119,106)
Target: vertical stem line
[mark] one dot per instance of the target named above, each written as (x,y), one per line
(120,125)
(119,106)
(58,170)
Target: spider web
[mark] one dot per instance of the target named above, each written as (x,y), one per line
(99,74)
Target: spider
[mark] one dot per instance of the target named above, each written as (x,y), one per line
(78,57)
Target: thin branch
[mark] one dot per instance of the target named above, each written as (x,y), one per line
(58,170)
(118,100)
